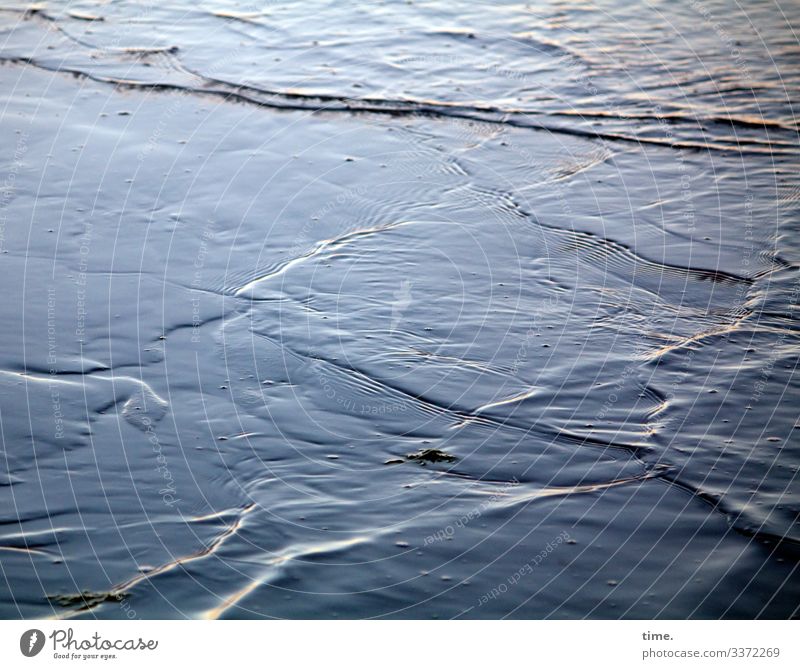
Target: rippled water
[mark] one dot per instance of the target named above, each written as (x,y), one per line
(399,309)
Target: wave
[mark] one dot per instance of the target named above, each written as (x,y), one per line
(332,103)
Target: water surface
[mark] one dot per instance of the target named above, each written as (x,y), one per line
(399,310)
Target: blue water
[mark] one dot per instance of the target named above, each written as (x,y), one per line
(396,309)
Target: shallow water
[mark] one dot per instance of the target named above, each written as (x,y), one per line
(399,310)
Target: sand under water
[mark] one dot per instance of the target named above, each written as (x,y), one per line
(431,309)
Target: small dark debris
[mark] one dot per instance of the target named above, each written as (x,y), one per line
(87,599)
(431,455)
